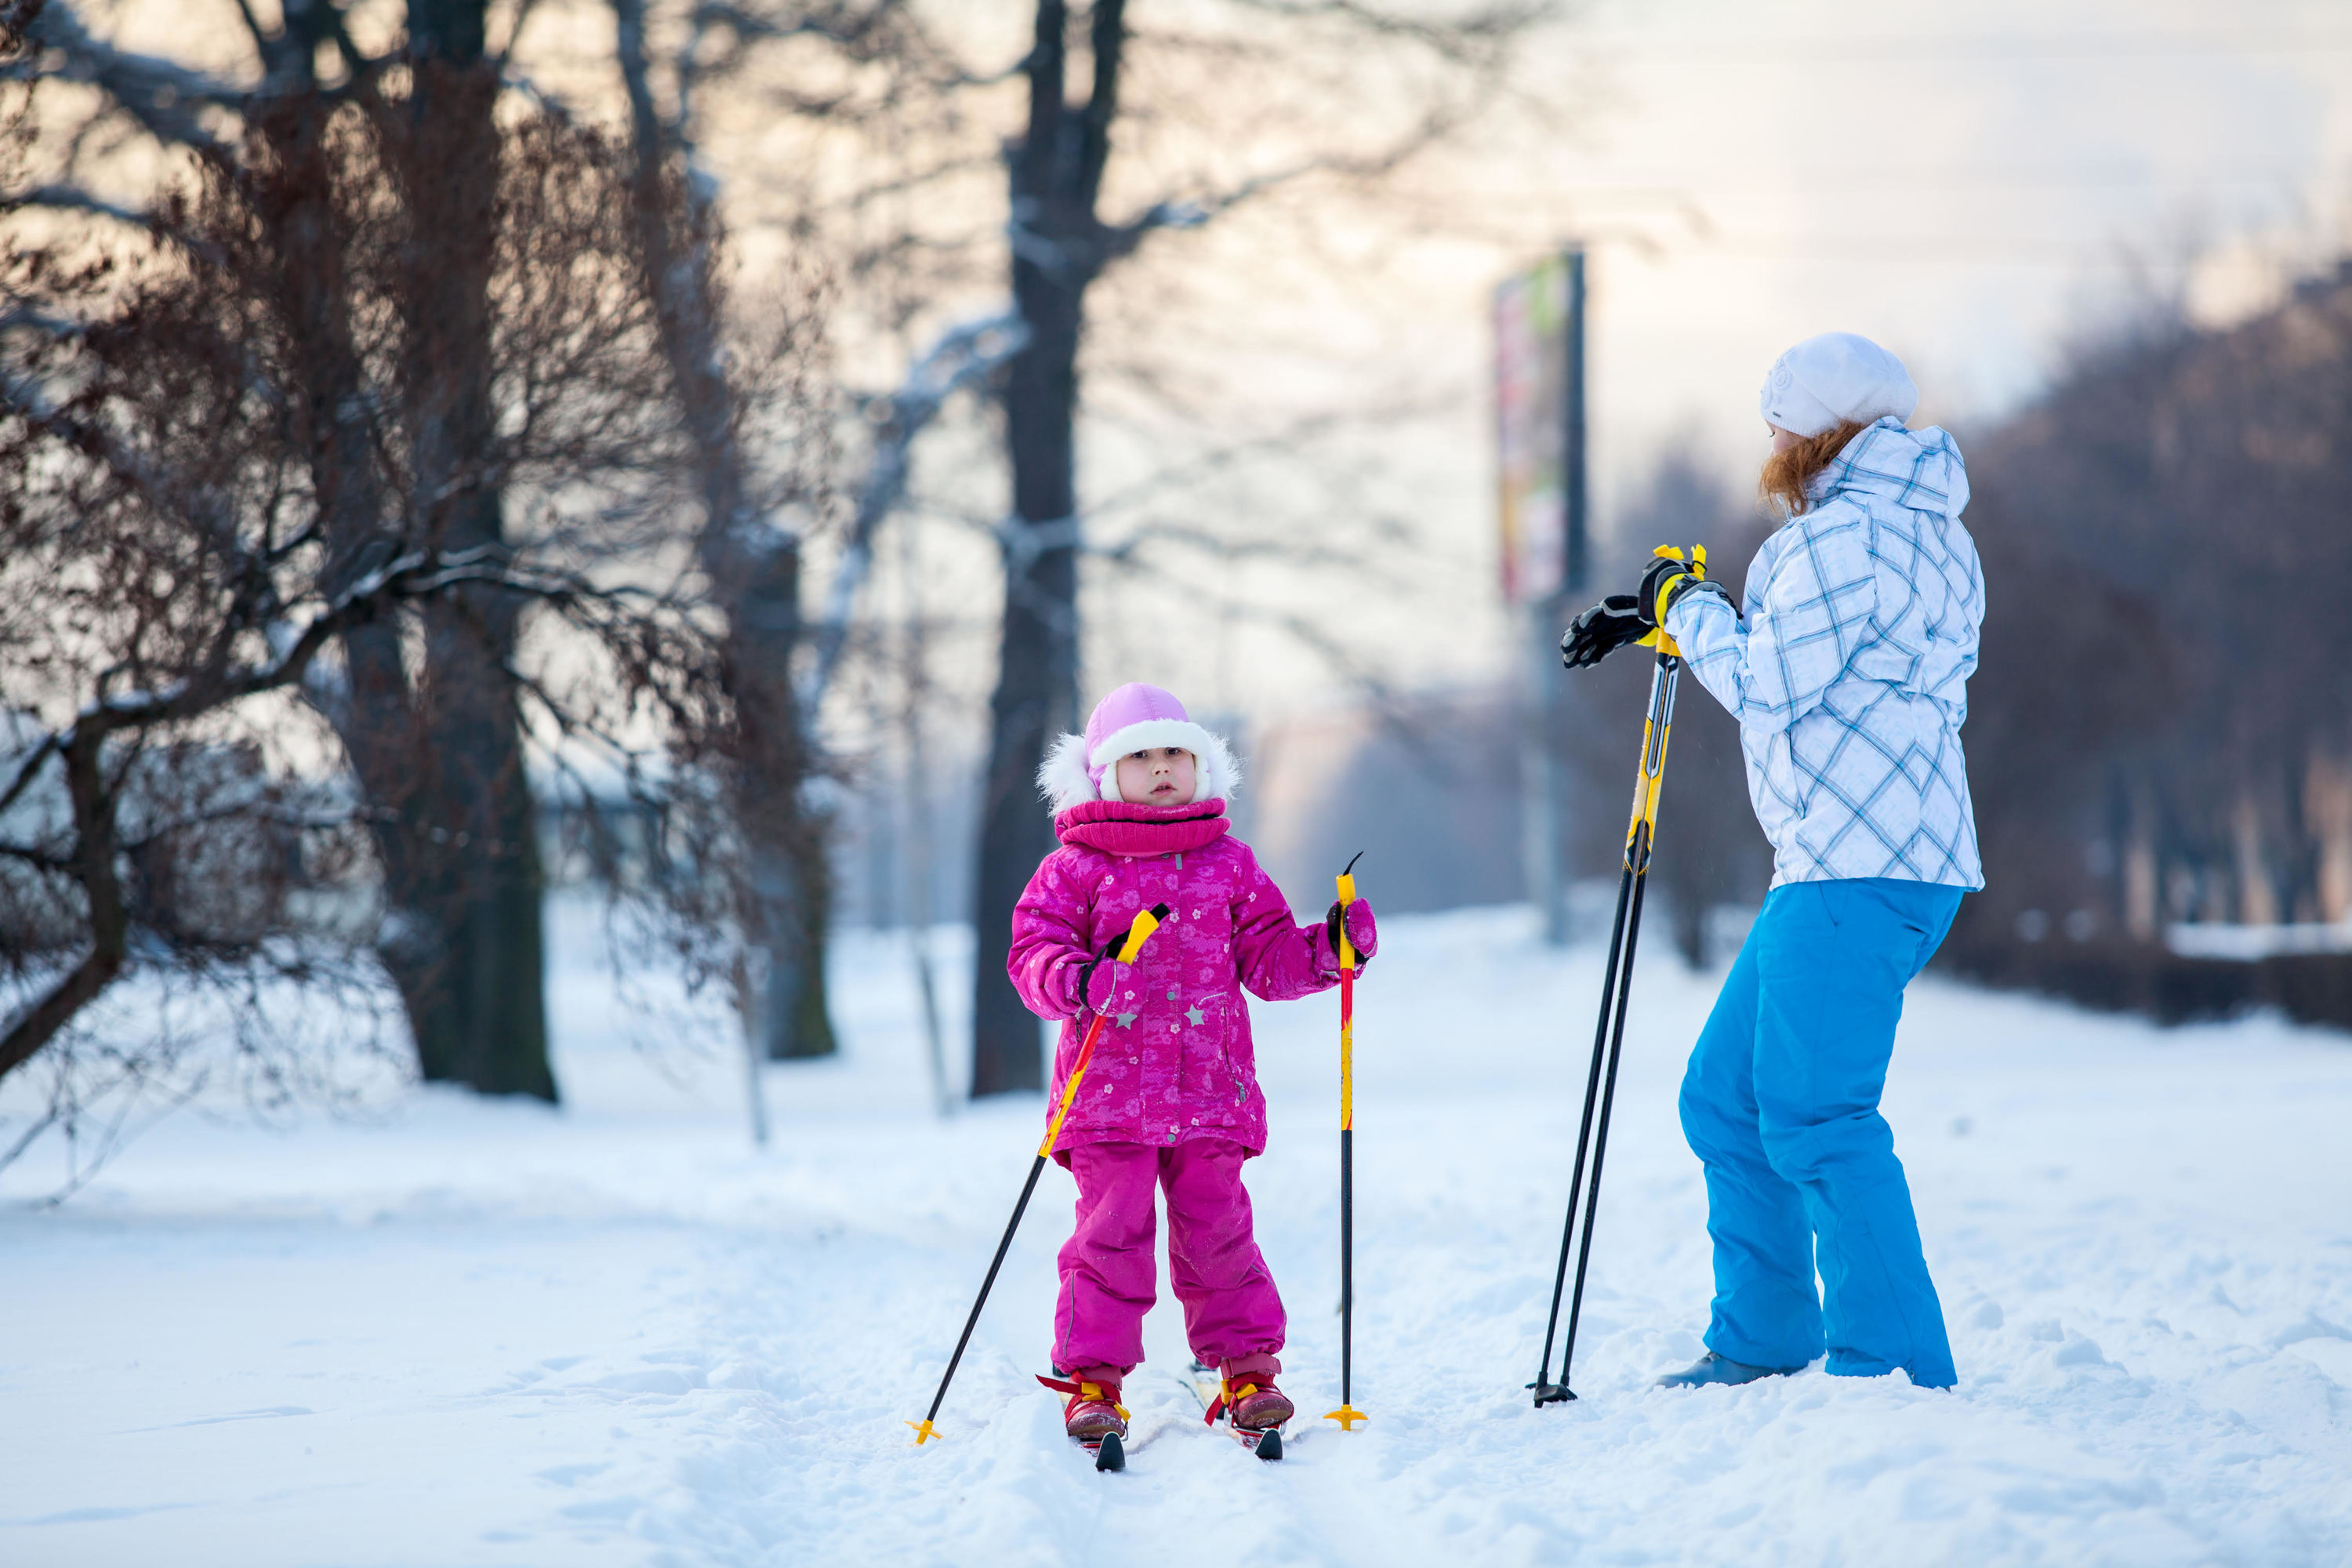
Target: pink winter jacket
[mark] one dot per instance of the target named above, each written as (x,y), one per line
(1175,1061)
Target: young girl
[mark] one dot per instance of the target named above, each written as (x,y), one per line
(1171,1095)
(1847,667)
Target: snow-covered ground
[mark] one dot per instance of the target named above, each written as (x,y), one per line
(466,1334)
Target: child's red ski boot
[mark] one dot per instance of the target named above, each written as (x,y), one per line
(1253,1408)
(1092,1412)
(1255,1405)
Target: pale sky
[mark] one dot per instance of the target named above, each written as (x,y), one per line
(1970,184)
(1974,186)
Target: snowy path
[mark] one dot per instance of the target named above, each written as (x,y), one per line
(490,1334)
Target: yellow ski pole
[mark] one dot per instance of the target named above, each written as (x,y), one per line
(1346,1415)
(1146,922)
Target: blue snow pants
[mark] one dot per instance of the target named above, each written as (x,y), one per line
(1780,1104)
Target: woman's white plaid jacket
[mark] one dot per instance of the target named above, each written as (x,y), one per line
(1848,667)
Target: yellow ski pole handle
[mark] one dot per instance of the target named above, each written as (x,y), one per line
(1139,931)
(1346,885)
(1696,558)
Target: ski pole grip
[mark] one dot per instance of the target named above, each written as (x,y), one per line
(1345,884)
(1146,922)
(1139,931)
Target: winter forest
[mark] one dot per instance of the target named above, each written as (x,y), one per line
(548,549)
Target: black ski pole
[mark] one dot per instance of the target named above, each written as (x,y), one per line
(1608,1030)
(1146,922)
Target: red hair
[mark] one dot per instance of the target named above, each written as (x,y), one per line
(1788,471)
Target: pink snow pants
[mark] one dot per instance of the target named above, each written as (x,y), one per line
(1232,1310)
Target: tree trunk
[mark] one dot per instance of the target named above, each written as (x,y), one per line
(754,569)
(441,761)
(791,883)
(1056,170)
(464,888)
(96,844)
(1036,692)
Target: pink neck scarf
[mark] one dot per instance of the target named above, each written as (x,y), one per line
(1116,827)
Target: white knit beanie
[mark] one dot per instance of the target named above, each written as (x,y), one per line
(1833,377)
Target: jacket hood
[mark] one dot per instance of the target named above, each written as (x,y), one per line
(1920,470)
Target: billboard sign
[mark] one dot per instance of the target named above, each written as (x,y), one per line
(1539,417)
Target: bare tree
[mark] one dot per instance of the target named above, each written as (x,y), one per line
(2166,517)
(466,954)
(246,485)
(1059,242)
(780,668)
(889,79)
(751,561)
(467,950)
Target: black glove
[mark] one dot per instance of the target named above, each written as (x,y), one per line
(1602,631)
(1669,577)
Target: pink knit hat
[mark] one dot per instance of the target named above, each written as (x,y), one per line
(1134,718)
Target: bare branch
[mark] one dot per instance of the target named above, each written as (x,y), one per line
(47,322)
(73,198)
(32,854)
(1471,40)
(16,16)
(505,54)
(161,94)
(129,465)
(27,769)
(965,355)
(417,574)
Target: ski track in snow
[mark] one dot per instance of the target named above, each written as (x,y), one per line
(472,1333)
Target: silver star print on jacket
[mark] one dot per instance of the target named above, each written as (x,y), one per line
(1187,1054)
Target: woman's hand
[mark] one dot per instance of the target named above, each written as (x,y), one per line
(1602,631)
(1363,932)
(1670,574)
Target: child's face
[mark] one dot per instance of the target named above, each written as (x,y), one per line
(1163,775)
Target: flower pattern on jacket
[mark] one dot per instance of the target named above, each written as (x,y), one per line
(1175,1060)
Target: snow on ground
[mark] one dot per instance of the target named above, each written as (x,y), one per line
(468,1333)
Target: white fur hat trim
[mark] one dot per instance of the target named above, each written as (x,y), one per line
(1147,735)
(1067,778)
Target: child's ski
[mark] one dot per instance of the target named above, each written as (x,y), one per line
(1210,1390)
(1113,1451)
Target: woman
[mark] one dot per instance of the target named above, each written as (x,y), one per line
(1846,668)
